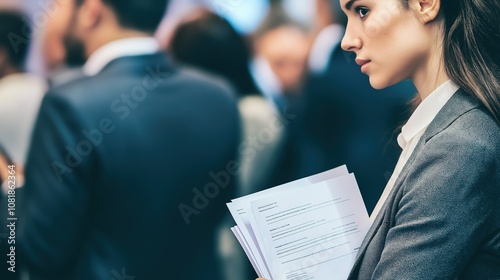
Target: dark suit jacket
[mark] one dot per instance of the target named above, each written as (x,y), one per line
(442,220)
(345,121)
(115,161)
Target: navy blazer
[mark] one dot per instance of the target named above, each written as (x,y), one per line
(442,220)
(128,175)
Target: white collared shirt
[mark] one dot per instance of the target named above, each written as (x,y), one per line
(266,80)
(413,130)
(119,48)
(20,99)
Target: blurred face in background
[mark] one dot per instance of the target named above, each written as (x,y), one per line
(390,42)
(286,49)
(54,52)
(61,46)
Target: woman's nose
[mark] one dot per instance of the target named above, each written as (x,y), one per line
(351,41)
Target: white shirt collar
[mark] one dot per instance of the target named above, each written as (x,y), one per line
(264,77)
(426,112)
(323,47)
(119,48)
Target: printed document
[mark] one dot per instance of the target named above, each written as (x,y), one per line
(307,229)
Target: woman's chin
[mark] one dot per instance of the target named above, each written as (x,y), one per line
(378,83)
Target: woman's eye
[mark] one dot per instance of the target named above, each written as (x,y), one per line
(362,11)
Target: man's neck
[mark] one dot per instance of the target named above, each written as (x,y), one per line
(112,36)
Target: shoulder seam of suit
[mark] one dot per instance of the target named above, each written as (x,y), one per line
(428,138)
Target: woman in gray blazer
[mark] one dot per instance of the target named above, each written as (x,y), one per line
(439,216)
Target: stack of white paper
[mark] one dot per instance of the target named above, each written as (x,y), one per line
(308,229)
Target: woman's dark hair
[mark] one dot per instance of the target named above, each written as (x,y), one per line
(210,43)
(472,48)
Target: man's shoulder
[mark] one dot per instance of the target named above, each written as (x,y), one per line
(72,92)
(106,87)
(196,77)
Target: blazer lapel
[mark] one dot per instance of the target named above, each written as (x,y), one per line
(459,104)
(379,220)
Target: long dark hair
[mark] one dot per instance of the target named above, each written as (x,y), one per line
(472,48)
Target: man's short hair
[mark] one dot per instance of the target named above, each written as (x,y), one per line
(15,36)
(141,15)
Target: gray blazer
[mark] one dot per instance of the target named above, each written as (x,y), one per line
(442,219)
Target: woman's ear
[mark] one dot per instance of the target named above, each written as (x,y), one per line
(426,10)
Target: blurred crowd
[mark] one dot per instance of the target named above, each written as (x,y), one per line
(246,108)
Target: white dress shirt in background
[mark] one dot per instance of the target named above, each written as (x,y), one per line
(20,99)
(324,46)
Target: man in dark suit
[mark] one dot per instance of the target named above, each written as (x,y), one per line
(130,166)
(342,119)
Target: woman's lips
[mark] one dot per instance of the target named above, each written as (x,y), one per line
(363,63)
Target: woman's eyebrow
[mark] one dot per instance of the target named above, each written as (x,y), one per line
(349,4)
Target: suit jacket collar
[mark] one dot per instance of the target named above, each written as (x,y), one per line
(119,48)
(141,63)
(458,105)
(461,103)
